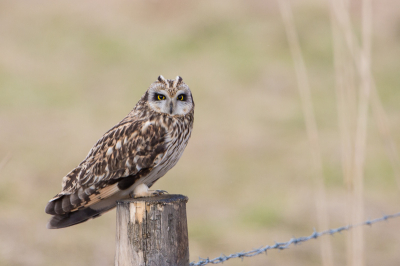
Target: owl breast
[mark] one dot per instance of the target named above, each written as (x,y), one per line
(179,132)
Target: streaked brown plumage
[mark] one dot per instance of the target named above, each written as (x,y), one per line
(130,157)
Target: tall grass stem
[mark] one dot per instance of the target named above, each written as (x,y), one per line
(311,127)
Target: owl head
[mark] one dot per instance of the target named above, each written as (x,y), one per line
(172,97)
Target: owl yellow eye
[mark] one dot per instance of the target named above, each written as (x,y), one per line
(181,97)
(160,97)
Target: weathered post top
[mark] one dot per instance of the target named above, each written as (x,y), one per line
(152,231)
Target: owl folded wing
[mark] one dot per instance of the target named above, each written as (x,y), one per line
(125,153)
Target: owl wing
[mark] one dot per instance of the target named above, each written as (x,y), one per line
(125,153)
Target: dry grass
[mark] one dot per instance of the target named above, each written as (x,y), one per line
(71,70)
(358,60)
(311,127)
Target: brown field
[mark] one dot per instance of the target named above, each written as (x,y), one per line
(70,70)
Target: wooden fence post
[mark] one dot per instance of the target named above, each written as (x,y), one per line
(152,232)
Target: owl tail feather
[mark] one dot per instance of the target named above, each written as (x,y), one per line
(76,217)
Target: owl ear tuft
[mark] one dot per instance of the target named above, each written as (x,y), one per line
(162,79)
(177,81)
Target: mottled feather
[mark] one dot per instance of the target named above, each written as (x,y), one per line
(140,149)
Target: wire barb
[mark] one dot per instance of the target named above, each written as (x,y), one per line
(292,241)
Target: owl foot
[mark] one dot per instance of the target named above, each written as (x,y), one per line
(158,192)
(143,191)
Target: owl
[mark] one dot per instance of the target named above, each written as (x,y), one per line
(130,157)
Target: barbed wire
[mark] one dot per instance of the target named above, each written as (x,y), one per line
(285,245)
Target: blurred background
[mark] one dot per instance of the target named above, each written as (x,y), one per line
(254,169)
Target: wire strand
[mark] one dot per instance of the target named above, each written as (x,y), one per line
(285,245)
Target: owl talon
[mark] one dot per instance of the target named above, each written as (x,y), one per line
(159,192)
(142,191)
(150,193)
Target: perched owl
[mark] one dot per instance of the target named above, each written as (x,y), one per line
(130,157)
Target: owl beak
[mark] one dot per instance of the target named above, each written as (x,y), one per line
(170,108)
